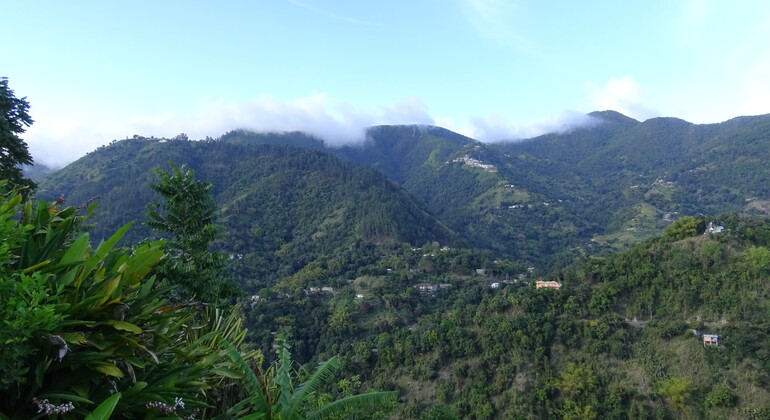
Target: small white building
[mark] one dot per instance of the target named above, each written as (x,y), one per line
(713,227)
(426,287)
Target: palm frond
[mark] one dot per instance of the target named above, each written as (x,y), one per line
(363,402)
(253,386)
(322,374)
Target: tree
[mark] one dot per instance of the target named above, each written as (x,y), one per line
(676,391)
(189,215)
(13,150)
(684,227)
(757,259)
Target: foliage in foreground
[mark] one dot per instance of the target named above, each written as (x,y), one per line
(81,323)
(88,330)
(274,394)
(14,117)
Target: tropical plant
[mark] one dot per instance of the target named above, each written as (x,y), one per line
(82,323)
(274,394)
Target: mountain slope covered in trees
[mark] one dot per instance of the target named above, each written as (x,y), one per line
(621,339)
(545,201)
(419,276)
(282,207)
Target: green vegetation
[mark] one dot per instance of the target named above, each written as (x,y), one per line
(188,214)
(87,331)
(273,394)
(418,278)
(14,117)
(616,341)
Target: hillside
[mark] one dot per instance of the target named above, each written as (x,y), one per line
(413,257)
(282,207)
(545,201)
(638,176)
(495,201)
(622,338)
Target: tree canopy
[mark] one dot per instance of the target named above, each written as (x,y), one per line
(188,214)
(14,119)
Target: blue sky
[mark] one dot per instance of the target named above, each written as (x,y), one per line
(94,71)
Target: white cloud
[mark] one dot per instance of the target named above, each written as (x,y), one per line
(623,95)
(495,127)
(58,141)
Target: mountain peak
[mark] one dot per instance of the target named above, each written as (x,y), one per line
(613,116)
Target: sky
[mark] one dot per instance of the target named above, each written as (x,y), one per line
(97,71)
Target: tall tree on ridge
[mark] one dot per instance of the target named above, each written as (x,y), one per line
(189,215)
(13,150)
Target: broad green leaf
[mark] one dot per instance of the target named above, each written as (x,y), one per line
(124,326)
(138,387)
(108,289)
(110,370)
(105,409)
(36,266)
(147,286)
(76,323)
(104,249)
(74,338)
(108,245)
(77,250)
(139,265)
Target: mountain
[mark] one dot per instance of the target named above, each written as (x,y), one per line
(495,201)
(282,207)
(347,250)
(637,176)
(545,201)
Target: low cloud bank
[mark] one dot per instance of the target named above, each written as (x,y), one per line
(58,141)
(495,128)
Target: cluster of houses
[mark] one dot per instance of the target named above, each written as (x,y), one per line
(475,162)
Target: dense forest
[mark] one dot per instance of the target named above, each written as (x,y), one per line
(622,337)
(411,263)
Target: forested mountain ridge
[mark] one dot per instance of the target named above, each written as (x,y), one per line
(637,176)
(598,186)
(547,200)
(282,207)
(461,332)
(496,201)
